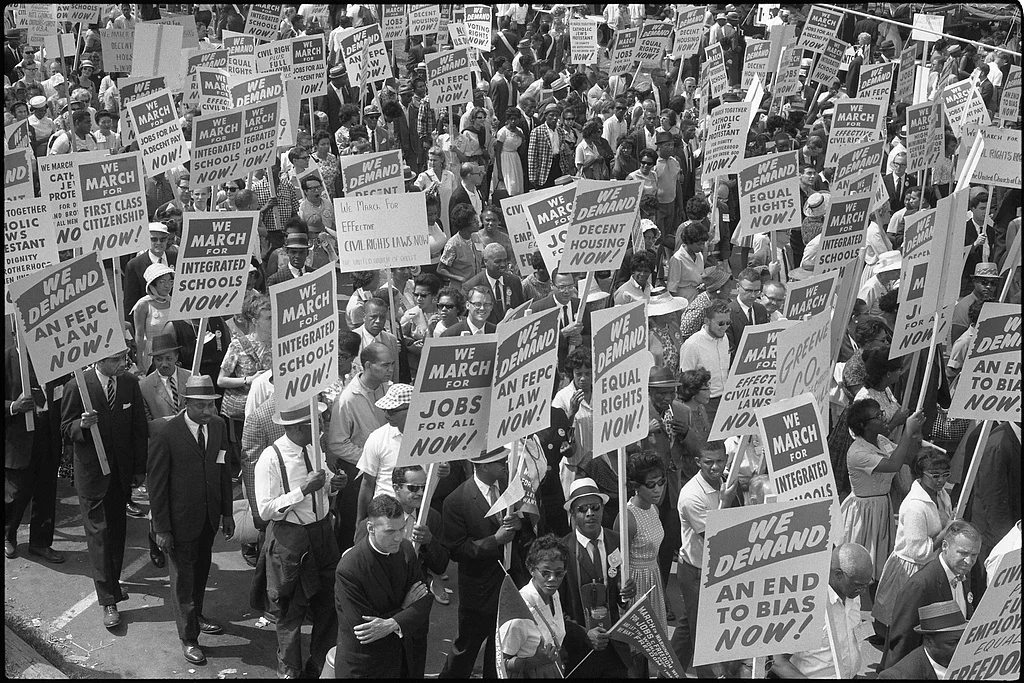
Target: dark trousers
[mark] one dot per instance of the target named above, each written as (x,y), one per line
(104,521)
(685,635)
(555,173)
(476,628)
(189,565)
(669,549)
(345,508)
(36,484)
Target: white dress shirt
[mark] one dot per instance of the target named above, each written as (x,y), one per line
(271,499)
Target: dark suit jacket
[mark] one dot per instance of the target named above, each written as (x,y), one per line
(512,287)
(574,305)
(135,281)
(18,441)
(370,584)
(501,96)
(994,506)
(124,431)
(914,667)
(405,138)
(460,196)
(462,326)
(739,322)
(284,275)
(185,484)
(927,586)
(889,180)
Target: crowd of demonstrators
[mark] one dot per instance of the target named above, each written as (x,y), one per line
(343,546)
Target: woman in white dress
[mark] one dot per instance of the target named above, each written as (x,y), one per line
(150,313)
(508,167)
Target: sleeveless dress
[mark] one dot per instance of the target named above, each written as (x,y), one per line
(867,512)
(156,320)
(643,558)
(511,164)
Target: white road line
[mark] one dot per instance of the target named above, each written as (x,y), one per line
(90,599)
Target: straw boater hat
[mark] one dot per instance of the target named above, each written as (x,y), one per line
(816,205)
(154,272)
(940,617)
(663,303)
(371,110)
(37,102)
(397,395)
(493,455)
(296,240)
(157,226)
(662,377)
(889,260)
(163,343)
(595,293)
(199,386)
(987,270)
(584,486)
(298,415)
(336,71)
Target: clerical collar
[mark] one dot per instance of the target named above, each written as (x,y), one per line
(369,537)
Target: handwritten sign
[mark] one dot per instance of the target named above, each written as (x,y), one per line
(381,231)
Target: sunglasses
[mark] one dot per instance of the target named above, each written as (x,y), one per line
(231,189)
(589,507)
(446,306)
(654,484)
(415,488)
(560,574)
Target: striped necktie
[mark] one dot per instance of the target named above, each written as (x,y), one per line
(174,390)
(111,391)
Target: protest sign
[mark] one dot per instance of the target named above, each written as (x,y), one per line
(424,20)
(788,82)
(751,381)
(653,41)
(548,213)
(58,187)
(189,31)
(79,12)
(319,13)
(66,314)
(378,64)
(524,376)
(213,90)
(16,135)
(478,27)
(448,78)
(821,25)
(304,313)
(158,131)
(583,40)
(843,234)
(622,366)
(765,580)
(989,386)
(919,283)
(804,352)
(233,143)
(52,48)
(30,242)
(854,122)
(927,28)
(639,628)
(1009,105)
(755,62)
(689,29)
(213,264)
(826,67)
(876,82)
(118,48)
(157,51)
(989,650)
(603,216)
(921,120)
(769,188)
(394,22)
(264,21)
(114,218)
(781,37)
(727,139)
(302,58)
(209,59)
(524,244)
(241,53)
(1000,161)
(906,74)
(624,55)
(793,434)
(246,90)
(41,21)
(962,104)
(811,296)
(868,155)
(372,173)
(381,231)
(132,89)
(18,166)
(715,57)
(450,405)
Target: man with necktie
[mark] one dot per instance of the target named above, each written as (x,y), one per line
(564,297)
(507,288)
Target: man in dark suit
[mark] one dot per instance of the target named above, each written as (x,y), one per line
(135,271)
(468,191)
(477,543)
(380,139)
(404,137)
(119,412)
(334,99)
(479,302)
(897,182)
(644,135)
(297,247)
(381,599)
(31,458)
(501,90)
(563,296)
(594,594)
(190,495)
(935,582)
(745,309)
(507,288)
(942,625)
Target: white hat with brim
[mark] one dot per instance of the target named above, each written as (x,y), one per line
(156,271)
(663,303)
(889,260)
(298,415)
(493,455)
(582,487)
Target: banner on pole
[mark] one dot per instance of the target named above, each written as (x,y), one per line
(58,186)
(811,296)
(394,22)
(963,104)
(157,51)
(689,29)
(769,188)
(906,74)
(755,62)
(264,21)
(131,90)
(478,27)
(583,40)
(18,166)
(159,133)
(989,386)
(303,58)
(548,213)
(241,49)
(919,283)
(867,156)
(821,25)
(381,231)
(829,62)
(624,55)
(622,365)
(793,434)
(928,28)
(876,82)
(1009,104)
(603,216)
(846,225)
(233,143)
(524,244)
(424,20)
(804,353)
(727,139)
(378,67)
(448,77)
(639,629)
(854,122)
(118,47)
(653,42)
(114,219)
(213,89)
(372,173)
(207,59)
(922,121)
(30,242)
(1000,160)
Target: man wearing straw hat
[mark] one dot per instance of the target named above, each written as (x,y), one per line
(190,496)
(295,574)
(942,625)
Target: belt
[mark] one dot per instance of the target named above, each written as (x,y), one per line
(311,524)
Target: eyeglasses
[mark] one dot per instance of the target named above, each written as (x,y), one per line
(939,475)
(231,188)
(776,299)
(751,291)
(446,307)
(560,574)
(415,488)
(481,304)
(654,484)
(588,507)
(647,163)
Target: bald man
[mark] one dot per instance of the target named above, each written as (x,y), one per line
(851,572)
(507,288)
